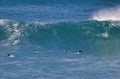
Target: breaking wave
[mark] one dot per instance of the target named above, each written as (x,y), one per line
(112,14)
(12,32)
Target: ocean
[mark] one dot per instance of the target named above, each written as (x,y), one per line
(59,39)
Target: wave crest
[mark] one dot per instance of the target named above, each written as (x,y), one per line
(112,14)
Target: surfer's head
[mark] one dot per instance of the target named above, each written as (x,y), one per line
(80,51)
(9,55)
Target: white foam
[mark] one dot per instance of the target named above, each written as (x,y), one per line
(11,56)
(16,42)
(112,14)
(78,53)
(104,35)
(16,33)
(41,23)
(115,24)
(15,24)
(2,21)
(71,60)
(14,37)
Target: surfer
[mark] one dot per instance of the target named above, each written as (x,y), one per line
(35,51)
(66,50)
(10,55)
(79,52)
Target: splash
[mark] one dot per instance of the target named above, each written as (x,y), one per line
(3,21)
(11,29)
(112,14)
(104,35)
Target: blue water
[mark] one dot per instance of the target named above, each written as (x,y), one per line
(37,32)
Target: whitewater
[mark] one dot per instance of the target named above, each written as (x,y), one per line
(35,34)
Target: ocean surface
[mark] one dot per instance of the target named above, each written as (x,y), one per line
(37,33)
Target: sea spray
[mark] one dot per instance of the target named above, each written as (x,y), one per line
(112,14)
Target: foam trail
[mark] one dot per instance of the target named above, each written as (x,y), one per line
(3,21)
(112,14)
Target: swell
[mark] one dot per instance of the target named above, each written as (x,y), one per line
(86,30)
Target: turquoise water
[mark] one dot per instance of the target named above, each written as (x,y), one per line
(37,33)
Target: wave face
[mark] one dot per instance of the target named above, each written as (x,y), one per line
(11,30)
(70,34)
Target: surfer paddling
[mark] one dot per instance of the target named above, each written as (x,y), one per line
(35,51)
(79,52)
(66,50)
(10,55)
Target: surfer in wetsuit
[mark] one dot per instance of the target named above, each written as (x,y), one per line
(79,52)
(66,50)
(10,55)
(35,51)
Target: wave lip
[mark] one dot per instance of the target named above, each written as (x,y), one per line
(112,14)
